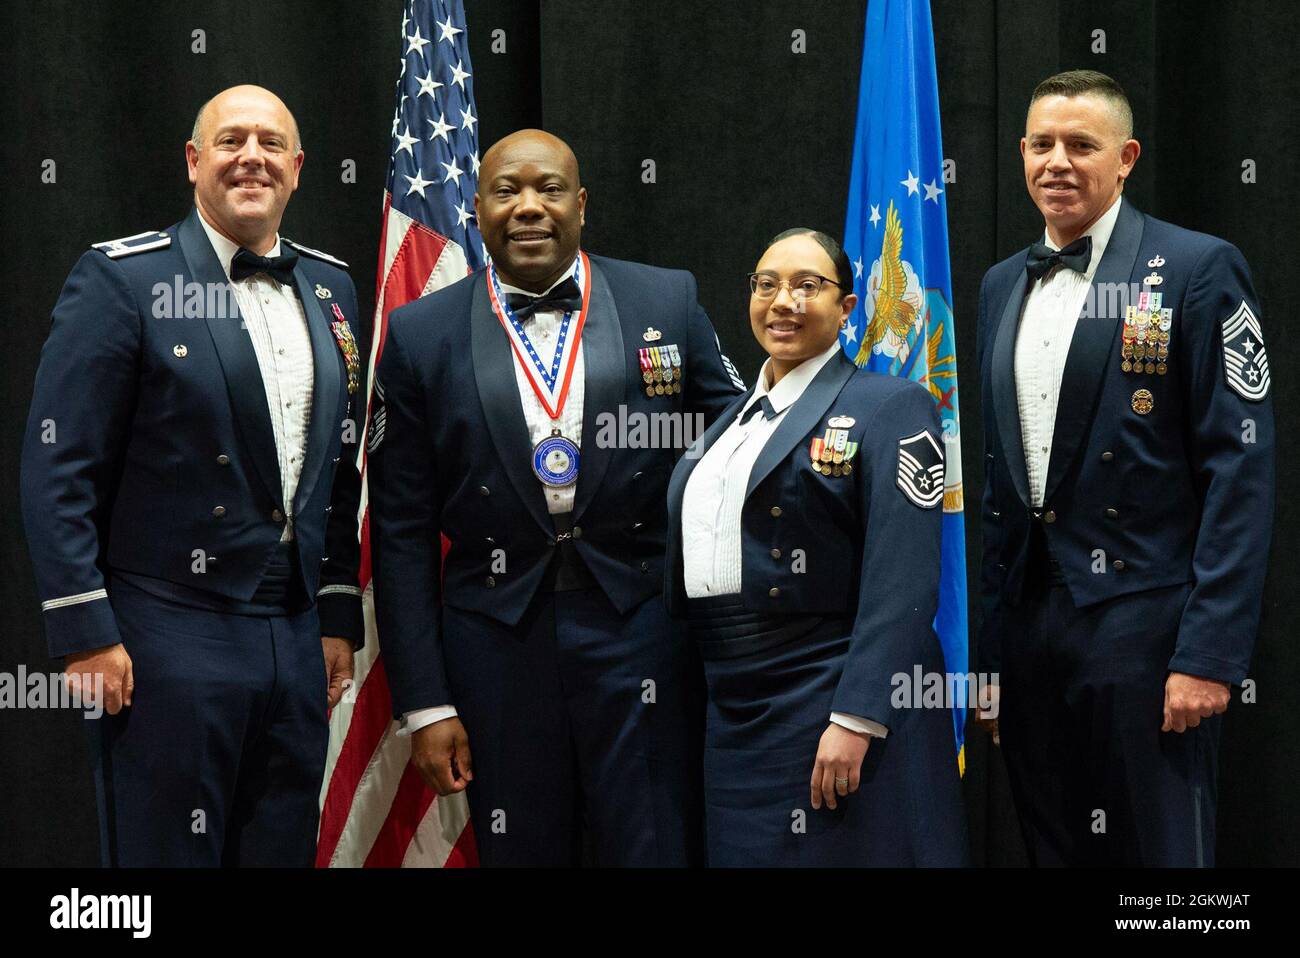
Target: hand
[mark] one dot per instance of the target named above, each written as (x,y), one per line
(338,667)
(1190,698)
(113,663)
(839,756)
(441,755)
(987,719)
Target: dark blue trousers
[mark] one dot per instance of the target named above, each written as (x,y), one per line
(580,718)
(220,758)
(1094,779)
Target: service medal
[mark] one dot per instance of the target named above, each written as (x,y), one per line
(555,460)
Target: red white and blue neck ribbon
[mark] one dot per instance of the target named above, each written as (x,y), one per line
(550,385)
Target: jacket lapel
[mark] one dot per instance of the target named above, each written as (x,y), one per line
(1094,338)
(1003,379)
(325,392)
(234,348)
(498,393)
(802,417)
(604,386)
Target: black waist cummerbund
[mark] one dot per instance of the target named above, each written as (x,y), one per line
(723,628)
(280,591)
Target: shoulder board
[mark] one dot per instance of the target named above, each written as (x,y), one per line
(314,252)
(127,245)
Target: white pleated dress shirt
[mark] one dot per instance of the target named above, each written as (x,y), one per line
(1047,323)
(714,497)
(543,329)
(277,326)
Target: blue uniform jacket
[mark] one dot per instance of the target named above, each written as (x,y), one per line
(454,456)
(861,546)
(149,447)
(1153,480)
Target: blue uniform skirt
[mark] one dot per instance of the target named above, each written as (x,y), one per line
(771,681)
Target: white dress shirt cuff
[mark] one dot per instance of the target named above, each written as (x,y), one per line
(414,721)
(855,723)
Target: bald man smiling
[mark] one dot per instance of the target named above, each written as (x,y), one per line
(536,666)
(190,495)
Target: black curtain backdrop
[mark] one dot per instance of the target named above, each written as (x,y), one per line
(747,136)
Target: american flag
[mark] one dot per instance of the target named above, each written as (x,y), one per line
(375,809)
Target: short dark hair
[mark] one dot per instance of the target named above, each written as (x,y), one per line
(843,268)
(1079,82)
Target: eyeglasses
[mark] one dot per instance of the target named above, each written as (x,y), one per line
(806,287)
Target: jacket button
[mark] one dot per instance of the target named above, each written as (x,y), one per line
(484,491)
(219,511)
(577,532)
(1107,456)
(329,508)
(636,475)
(1049,516)
(776,553)
(490,582)
(774,592)
(1112,513)
(223,460)
(324,559)
(277,515)
(336,458)
(211,559)
(996,514)
(776,512)
(1118,565)
(636,526)
(489,539)
(645,566)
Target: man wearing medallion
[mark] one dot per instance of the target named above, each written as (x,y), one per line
(1128,498)
(190,495)
(541,640)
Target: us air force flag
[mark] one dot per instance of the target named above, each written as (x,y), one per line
(896,234)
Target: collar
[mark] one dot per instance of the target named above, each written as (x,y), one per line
(507,288)
(226,249)
(1100,232)
(792,385)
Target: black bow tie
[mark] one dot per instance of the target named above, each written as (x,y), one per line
(246,263)
(564,298)
(764,404)
(1042,257)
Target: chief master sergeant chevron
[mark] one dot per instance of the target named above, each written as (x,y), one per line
(1128,500)
(190,495)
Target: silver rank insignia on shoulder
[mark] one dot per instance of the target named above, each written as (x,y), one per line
(129,245)
(322,292)
(920,470)
(1245,364)
(314,252)
(651,335)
